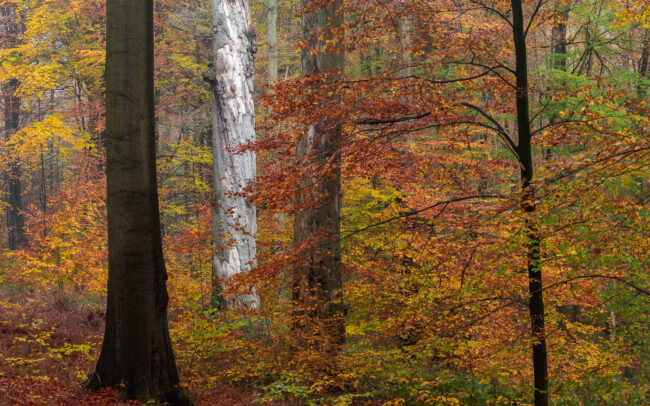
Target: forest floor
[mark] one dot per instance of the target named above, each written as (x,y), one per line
(48,345)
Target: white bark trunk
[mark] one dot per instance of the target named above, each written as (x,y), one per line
(234,225)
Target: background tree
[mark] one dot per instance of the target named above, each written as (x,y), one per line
(12,24)
(317,280)
(272,39)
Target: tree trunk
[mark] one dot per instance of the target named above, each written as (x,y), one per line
(136,353)
(234,220)
(524,150)
(11,29)
(317,282)
(558,51)
(15,219)
(644,65)
(558,38)
(404,37)
(272,39)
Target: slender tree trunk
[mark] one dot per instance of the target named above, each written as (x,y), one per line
(317,282)
(272,39)
(644,65)
(588,50)
(404,33)
(558,50)
(536,304)
(558,38)
(11,29)
(136,353)
(15,219)
(234,220)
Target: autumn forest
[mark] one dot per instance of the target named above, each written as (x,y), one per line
(325,202)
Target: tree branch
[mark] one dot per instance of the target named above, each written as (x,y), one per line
(500,130)
(414,212)
(375,121)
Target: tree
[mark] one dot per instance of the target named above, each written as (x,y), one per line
(523,151)
(558,48)
(15,219)
(234,224)
(12,29)
(525,156)
(558,37)
(136,350)
(272,39)
(644,64)
(317,281)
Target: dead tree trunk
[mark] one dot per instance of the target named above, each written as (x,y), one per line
(234,220)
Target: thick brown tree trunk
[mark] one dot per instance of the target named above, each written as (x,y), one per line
(136,353)
(524,150)
(317,282)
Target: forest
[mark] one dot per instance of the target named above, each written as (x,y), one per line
(325,202)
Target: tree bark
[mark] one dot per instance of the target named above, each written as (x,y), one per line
(234,220)
(136,352)
(317,281)
(524,150)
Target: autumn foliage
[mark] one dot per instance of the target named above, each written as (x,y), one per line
(433,232)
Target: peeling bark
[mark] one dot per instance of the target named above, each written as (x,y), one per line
(234,224)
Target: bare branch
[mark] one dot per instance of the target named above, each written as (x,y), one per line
(501,131)
(503,16)
(532,17)
(414,212)
(375,121)
(599,276)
